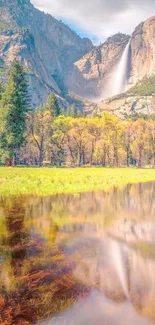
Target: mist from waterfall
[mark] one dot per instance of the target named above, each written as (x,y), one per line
(120,80)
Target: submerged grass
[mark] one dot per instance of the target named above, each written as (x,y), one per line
(48,181)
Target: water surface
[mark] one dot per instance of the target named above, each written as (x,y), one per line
(85,259)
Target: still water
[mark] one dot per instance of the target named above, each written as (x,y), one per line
(85,259)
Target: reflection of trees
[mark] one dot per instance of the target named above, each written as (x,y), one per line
(99,210)
(39,282)
(17,236)
(15,254)
(134,201)
(44,240)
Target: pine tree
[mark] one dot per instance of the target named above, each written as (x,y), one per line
(52,105)
(15,104)
(73,111)
(1,89)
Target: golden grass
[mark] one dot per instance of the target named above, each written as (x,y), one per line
(49,181)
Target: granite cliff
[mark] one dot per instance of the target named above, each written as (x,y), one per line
(46,46)
(91,73)
(127,104)
(57,59)
(143,51)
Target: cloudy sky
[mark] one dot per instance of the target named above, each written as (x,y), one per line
(99,19)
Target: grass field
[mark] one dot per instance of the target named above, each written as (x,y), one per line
(48,181)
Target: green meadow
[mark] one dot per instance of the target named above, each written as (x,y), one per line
(49,181)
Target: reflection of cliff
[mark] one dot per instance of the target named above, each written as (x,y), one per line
(99,310)
(132,232)
(122,276)
(122,286)
(85,259)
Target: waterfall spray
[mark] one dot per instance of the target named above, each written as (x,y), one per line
(120,74)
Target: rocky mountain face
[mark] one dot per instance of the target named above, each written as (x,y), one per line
(127,104)
(57,59)
(91,73)
(143,51)
(46,46)
(96,68)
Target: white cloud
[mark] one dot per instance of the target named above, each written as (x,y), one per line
(100,18)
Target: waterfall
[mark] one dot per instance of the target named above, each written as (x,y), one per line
(120,74)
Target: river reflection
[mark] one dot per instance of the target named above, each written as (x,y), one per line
(85,259)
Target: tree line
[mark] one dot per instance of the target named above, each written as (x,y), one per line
(48,135)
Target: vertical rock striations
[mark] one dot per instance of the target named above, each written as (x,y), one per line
(143,51)
(92,73)
(46,46)
(57,59)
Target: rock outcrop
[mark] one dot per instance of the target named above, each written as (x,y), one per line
(90,74)
(57,59)
(95,70)
(143,51)
(125,105)
(46,46)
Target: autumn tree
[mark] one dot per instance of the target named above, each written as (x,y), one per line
(79,140)
(151,138)
(60,147)
(94,130)
(128,140)
(140,143)
(113,129)
(39,130)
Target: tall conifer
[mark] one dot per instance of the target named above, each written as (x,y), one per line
(15,104)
